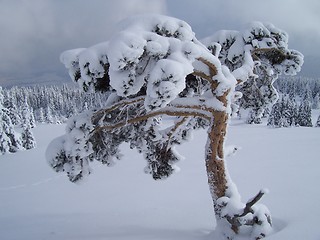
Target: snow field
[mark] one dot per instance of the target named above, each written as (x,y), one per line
(124,203)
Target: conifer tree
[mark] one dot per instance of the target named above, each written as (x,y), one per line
(304,114)
(318,122)
(4,140)
(40,115)
(316,101)
(27,137)
(152,70)
(48,116)
(9,138)
(275,116)
(12,110)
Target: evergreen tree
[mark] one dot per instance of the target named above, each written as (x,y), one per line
(10,140)
(27,116)
(151,70)
(316,101)
(12,109)
(40,115)
(288,111)
(4,141)
(48,116)
(304,114)
(275,116)
(27,138)
(318,122)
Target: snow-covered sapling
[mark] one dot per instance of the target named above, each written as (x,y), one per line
(155,71)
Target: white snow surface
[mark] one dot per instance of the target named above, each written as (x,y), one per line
(122,203)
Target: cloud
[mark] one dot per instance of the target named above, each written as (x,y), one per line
(35,32)
(299,18)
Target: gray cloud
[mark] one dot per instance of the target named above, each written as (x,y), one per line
(35,32)
(299,18)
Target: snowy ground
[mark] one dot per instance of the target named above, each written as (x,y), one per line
(122,203)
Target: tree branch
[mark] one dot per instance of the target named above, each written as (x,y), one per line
(275,55)
(174,129)
(249,204)
(235,219)
(166,111)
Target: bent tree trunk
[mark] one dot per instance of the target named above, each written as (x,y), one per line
(232,216)
(214,156)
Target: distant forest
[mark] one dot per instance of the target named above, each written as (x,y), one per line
(55,104)
(22,108)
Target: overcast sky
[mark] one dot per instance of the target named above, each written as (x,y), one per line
(33,33)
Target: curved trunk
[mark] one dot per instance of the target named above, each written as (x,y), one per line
(215,156)
(232,216)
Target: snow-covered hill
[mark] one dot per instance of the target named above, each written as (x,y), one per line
(123,203)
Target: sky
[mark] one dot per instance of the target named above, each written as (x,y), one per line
(35,32)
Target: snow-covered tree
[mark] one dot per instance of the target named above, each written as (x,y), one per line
(156,71)
(283,113)
(40,115)
(267,46)
(27,137)
(275,115)
(318,122)
(316,101)
(304,114)
(27,116)
(12,109)
(9,138)
(49,118)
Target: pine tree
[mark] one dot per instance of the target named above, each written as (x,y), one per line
(32,119)
(27,116)
(318,122)
(316,101)
(161,71)
(304,114)
(48,116)
(275,116)
(12,109)
(40,116)
(4,140)
(10,140)
(27,137)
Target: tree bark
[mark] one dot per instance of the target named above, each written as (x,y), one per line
(215,156)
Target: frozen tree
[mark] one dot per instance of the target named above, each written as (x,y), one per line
(49,118)
(28,122)
(4,140)
(9,138)
(267,46)
(275,115)
(156,73)
(40,115)
(304,114)
(27,116)
(27,137)
(316,101)
(12,109)
(318,122)
(283,113)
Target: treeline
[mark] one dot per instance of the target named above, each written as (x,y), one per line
(298,96)
(22,108)
(51,104)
